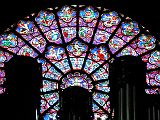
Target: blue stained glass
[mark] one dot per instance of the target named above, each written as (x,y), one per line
(146,41)
(52,73)
(44,104)
(100,98)
(130,28)
(25,27)
(100,74)
(94,107)
(77,63)
(8,40)
(155,58)
(90,66)
(51,115)
(53,36)
(63,65)
(55,53)
(51,98)
(49,85)
(115,44)
(47,117)
(77,48)
(128,51)
(89,14)
(4,56)
(101,37)
(39,43)
(110,19)
(66,14)
(57,107)
(27,51)
(99,53)
(69,33)
(45,18)
(103,86)
(45,65)
(86,33)
(77,79)
(11,42)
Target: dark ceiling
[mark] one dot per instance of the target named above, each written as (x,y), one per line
(146,13)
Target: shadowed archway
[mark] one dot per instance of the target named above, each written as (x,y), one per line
(76,104)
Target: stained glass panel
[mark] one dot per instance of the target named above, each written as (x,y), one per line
(152,59)
(2,80)
(100,115)
(27,29)
(53,36)
(100,74)
(115,44)
(79,58)
(51,98)
(143,43)
(63,66)
(86,33)
(103,86)
(89,14)
(27,51)
(153,78)
(49,85)
(128,30)
(99,54)
(44,104)
(101,37)
(128,51)
(51,115)
(11,42)
(90,66)
(77,63)
(39,43)
(77,79)
(52,73)
(55,53)
(77,48)
(100,98)
(45,18)
(69,33)
(109,21)
(5,56)
(66,14)
(155,91)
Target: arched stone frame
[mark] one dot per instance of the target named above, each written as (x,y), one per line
(34,55)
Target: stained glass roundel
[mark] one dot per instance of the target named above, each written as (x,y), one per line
(75,45)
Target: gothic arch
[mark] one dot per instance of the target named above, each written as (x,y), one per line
(76,45)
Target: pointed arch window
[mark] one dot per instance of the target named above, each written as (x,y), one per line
(75,45)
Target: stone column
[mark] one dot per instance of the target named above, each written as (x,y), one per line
(152,108)
(127,80)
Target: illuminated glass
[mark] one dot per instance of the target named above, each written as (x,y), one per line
(75,46)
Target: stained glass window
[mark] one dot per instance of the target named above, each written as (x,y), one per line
(75,45)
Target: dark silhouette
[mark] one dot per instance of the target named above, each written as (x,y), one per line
(76,104)
(23,75)
(127,81)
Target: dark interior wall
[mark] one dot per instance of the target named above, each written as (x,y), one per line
(142,11)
